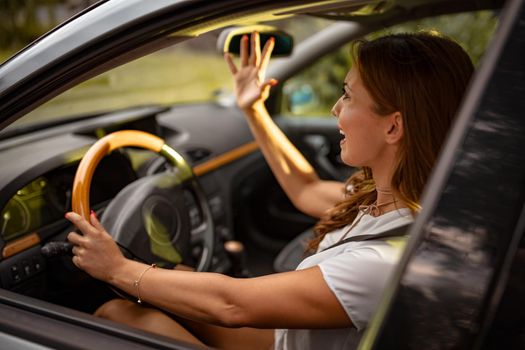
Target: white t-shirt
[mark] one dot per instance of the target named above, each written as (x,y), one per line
(357,273)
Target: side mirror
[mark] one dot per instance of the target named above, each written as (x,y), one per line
(230,39)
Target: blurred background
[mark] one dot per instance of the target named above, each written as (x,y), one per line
(22,21)
(163,78)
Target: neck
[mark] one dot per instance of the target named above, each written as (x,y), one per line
(384,189)
(385,196)
(382,172)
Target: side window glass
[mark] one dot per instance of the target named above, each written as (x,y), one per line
(314,91)
(191,71)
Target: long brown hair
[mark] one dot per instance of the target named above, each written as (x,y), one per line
(423,76)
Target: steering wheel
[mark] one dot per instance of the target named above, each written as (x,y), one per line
(150,218)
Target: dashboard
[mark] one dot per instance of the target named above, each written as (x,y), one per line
(45,199)
(39,167)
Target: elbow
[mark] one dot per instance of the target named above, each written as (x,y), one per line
(233,316)
(299,202)
(311,200)
(307,208)
(232,311)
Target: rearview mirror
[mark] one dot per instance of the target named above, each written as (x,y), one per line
(230,39)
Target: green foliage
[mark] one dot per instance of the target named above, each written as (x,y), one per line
(22,21)
(472,30)
(19,21)
(168,77)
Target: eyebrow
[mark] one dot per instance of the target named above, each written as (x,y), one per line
(345,85)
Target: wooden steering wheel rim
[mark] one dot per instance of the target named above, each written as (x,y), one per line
(90,161)
(127,138)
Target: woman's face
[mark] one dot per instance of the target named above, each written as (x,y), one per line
(363,130)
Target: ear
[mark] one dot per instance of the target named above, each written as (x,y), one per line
(394,128)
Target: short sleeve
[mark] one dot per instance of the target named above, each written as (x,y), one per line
(357,278)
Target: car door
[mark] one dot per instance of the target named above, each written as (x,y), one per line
(27,323)
(457,284)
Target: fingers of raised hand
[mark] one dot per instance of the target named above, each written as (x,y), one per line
(255,52)
(229,61)
(267,52)
(244,51)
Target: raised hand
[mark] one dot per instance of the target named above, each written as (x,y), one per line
(251,88)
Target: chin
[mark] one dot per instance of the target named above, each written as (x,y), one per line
(349,161)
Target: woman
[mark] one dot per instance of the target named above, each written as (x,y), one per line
(398,101)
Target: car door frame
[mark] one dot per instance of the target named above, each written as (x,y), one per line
(28,323)
(450,280)
(16,98)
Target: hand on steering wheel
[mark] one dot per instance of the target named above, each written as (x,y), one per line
(94,251)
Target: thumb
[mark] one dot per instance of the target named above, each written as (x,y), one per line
(94,221)
(269,83)
(266,85)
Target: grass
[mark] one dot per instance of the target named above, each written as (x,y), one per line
(167,77)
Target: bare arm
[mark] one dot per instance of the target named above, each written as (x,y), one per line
(298,299)
(294,173)
(296,176)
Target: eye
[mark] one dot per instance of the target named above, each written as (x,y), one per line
(345,95)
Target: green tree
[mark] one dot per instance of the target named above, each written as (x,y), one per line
(472,30)
(22,21)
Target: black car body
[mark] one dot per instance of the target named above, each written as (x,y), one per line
(460,280)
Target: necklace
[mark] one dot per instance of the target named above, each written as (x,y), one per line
(374,209)
(383,190)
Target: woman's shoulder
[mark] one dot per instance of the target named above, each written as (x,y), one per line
(384,249)
(368,225)
(381,249)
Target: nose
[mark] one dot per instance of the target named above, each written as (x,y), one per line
(335,109)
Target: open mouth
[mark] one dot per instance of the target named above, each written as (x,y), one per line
(342,134)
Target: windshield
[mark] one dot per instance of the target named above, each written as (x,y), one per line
(195,72)
(190,72)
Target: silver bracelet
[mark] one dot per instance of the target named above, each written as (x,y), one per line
(136,283)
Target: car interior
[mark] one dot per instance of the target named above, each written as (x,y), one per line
(214,204)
